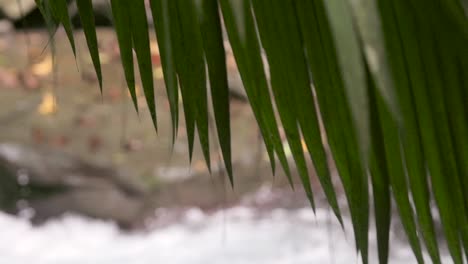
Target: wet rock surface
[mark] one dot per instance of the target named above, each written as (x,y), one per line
(52,183)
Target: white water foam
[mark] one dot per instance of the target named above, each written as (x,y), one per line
(234,236)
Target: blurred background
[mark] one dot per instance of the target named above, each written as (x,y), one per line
(85,179)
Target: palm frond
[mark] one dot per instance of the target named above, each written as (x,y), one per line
(389,80)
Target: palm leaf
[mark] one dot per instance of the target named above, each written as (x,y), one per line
(244,41)
(85,8)
(141,45)
(161,18)
(210,28)
(388,84)
(124,36)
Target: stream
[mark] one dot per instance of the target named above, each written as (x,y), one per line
(239,235)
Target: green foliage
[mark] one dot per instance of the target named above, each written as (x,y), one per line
(388,80)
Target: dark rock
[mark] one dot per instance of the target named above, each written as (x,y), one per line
(53,183)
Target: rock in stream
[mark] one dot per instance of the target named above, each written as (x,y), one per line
(52,183)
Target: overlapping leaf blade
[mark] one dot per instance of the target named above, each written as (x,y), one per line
(178,48)
(350,67)
(49,19)
(292,88)
(162,23)
(419,91)
(282,80)
(370,31)
(411,141)
(396,173)
(140,39)
(60,11)
(440,60)
(213,44)
(329,86)
(379,177)
(244,41)
(191,71)
(85,11)
(123,29)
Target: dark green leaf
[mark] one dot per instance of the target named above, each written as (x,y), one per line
(85,8)
(280,80)
(60,11)
(162,24)
(329,87)
(138,22)
(210,27)
(244,41)
(120,12)
(414,157)
(178,49)
(351,67)
(191,71)
(379,178)
(418,86)
(391,155)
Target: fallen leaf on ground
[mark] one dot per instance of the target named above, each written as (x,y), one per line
(48,105)
(133,144)
(29,80)
(94,143)
(8,78)
(85,121)
(44,67)
(114,93)
(60,141)
(89,77)
(38,136)
(199,166)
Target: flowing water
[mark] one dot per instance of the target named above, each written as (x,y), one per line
(233,236)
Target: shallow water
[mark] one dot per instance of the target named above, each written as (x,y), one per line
(234,236)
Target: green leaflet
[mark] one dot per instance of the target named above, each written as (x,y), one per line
(443,60)
(282,83)
(50,21)
(213,44)
(412,144)
(162,24)
(418,87)
(138,22)
(351,67)
(369,27)
(191,71)
(396,173)
(333,106)
(85,8)
(123,29)
(178,48)
(439,61)
(300,86)
(244,41)
(60,11)
(379,177)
